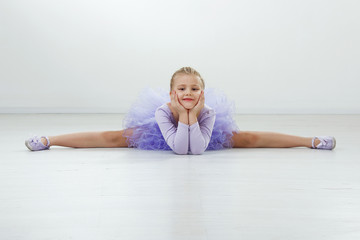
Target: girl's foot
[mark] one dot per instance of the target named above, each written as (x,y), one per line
(326,142)
(38,143)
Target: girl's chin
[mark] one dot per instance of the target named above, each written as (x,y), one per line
(188,107)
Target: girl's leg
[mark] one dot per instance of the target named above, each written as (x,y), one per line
(107,139)
(269,140)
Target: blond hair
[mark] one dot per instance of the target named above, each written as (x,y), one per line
(187,70)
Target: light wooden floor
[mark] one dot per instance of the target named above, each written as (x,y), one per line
(280,194)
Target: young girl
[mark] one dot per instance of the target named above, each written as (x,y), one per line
(185,124)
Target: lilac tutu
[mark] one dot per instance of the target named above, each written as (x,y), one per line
(145,132)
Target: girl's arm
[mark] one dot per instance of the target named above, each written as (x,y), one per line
(176,138)
(200,133)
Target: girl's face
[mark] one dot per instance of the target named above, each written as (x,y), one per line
(188,88)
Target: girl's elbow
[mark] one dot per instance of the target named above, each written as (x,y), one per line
(180,151)
(198,151)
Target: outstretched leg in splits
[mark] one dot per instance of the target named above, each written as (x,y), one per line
(117,139)
(252,139)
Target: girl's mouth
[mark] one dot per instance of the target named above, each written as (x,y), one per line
(188,99)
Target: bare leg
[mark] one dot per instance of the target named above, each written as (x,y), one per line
(107,139)
(269,140)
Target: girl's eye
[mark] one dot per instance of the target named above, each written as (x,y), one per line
(194,89)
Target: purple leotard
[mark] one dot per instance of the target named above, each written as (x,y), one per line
(183,138)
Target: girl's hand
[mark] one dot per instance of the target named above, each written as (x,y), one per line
(199,105)
(176,104)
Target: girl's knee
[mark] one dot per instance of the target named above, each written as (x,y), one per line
(114,138)
(245,139)
(109,136)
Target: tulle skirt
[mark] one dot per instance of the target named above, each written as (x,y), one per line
(143,132)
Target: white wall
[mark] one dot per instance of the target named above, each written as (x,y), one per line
(95,56)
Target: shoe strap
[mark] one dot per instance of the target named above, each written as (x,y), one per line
(313,142)
(47,139)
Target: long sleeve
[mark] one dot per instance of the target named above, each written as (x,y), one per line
(200,133)
(176,138)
